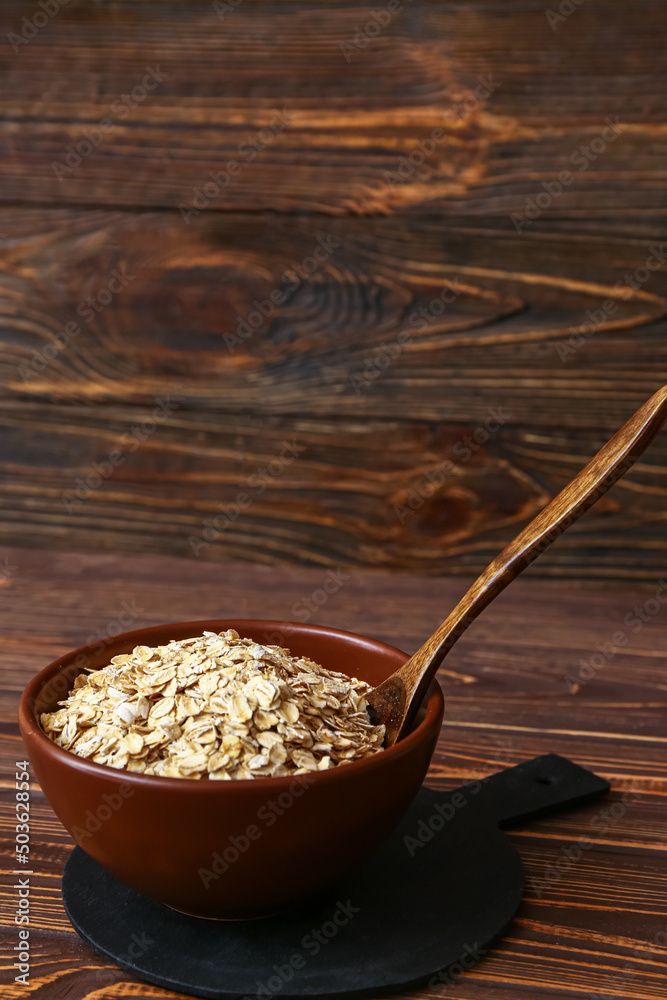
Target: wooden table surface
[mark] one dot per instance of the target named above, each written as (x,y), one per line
(529,678)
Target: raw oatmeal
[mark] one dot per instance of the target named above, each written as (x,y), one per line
(215,706)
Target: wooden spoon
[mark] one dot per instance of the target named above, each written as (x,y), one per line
(396,700)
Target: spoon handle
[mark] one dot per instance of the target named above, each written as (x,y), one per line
(610,463)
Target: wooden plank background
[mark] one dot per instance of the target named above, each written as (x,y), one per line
(121,286)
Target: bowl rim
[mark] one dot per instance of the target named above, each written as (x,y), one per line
(30,724)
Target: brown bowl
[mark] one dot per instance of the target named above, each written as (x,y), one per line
(232,849)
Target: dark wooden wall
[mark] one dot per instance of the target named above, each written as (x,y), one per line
(121,288)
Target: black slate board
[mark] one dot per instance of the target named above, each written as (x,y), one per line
(430,902)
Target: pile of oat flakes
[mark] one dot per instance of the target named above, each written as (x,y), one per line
(215,706)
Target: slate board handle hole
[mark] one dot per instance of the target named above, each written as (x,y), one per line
(545,779)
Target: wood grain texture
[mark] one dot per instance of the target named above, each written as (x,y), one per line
(378,398)
(548,93)
(591,928)
(361,362)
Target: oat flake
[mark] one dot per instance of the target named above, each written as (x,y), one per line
(215,706)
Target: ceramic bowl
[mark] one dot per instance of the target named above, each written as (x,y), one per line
(233,849)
